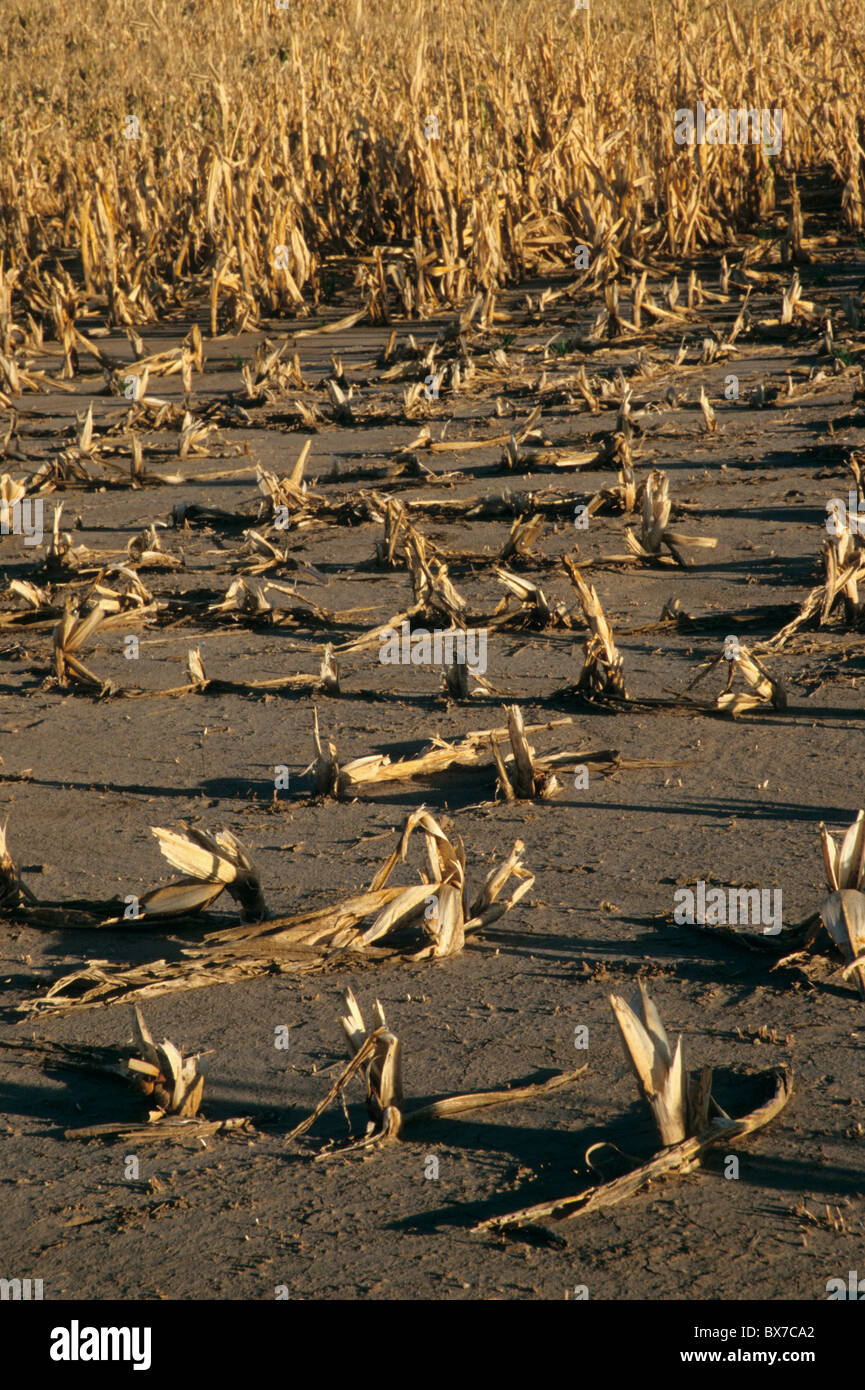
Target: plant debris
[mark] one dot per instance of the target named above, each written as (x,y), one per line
(680,1105)
(376,1054)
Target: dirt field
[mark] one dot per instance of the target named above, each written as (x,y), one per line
(733,802)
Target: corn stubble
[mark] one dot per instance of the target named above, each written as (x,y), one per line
(843,560)
(655,530)
(12,890)
(522,774)
(688,1119)
(602,672)
(762,689)
(425,921)
(376,1054)
(213,863)
(171,1084)
(843,912)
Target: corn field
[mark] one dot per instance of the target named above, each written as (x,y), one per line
(432,586)
(264,157)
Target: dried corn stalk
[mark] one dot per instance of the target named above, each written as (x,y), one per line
(288,491)
(376,1053)
(104,984)
(382,1072)
(72,633)
(258,554)
(10,493)
(843,912)
(216,862)
(681,1108)
(195,668)
(473,751)
(325,765)
(133,598)
(621,497)
(170,1129)
(396,527)
(440,902)
(536,609)
(763,689)
(514,457)
(341,403)
(845,863)
(709,418)
(676,1159)
(182,898)
(435,595)
(162,1073)
(602,664)
(844,564)
(145,550)
(659,1070)
(844,561)
(521,540)
(530,776)
(843,916)
(655,531)
(12,890)
(300,942)
(63,556)
(39,599)
(243,596)
(453,914)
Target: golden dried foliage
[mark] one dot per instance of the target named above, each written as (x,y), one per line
(230,149)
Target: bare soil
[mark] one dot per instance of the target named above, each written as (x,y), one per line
(83,779)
